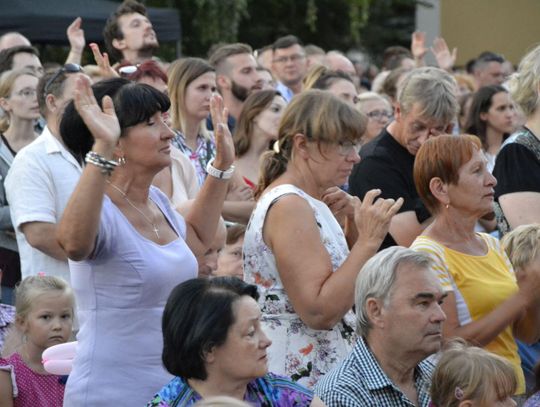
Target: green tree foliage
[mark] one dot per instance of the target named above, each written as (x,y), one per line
(328,23)
(370,25)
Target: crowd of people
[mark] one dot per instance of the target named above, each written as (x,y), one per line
(280,227)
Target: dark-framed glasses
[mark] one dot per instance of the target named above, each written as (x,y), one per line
(67,68)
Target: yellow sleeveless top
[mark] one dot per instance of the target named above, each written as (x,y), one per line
(480,284)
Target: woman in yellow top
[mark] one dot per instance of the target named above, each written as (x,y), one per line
(485,305)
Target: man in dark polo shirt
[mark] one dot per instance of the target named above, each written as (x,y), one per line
(426,106)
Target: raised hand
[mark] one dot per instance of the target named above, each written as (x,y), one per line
(102,61)
(445,58)
(372,217)
(102,122)
(75,35)
(418,46)
(224,143)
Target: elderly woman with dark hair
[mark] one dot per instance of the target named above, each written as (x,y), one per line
(215,346)
(485,304)
(127,246)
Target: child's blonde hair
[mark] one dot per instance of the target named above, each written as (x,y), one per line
(32,287)
(522,244)
(470,373)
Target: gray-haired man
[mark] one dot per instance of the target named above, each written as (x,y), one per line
(399,324)
(426,107)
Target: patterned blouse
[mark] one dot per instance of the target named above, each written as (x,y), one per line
(205,151)
(270,390)
(297,351)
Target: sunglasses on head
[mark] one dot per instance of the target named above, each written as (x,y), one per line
(67,68)
(128,70)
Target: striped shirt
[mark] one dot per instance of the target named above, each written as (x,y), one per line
(360,381)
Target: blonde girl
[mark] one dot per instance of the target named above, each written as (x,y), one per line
(44,317)
(468,376)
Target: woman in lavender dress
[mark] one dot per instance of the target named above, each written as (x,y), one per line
(127,247)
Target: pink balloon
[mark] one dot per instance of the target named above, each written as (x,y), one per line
(58,359)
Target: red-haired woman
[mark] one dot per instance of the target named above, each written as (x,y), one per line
(485,304)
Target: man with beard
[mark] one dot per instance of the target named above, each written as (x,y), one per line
(236,76)
(289,65)
(129,35)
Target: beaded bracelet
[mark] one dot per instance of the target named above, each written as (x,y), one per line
(106,166)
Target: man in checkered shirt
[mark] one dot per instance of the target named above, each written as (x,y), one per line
(399,324)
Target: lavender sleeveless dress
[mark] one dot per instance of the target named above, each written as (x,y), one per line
(121,291)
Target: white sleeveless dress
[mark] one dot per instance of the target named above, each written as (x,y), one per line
(297,351)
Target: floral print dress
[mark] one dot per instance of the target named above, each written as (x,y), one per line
(297,351)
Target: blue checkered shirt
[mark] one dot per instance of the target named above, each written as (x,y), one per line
(360,381)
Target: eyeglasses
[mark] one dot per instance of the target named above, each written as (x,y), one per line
(345,148)
(67,68)
(379,114)
(293,58)
(27,93)
(128,69)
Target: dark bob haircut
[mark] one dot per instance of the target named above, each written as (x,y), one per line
(134,103)
(197,317)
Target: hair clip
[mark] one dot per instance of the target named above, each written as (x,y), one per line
(458,393)
(41,274)
(276,147)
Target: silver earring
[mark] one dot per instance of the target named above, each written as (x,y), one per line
(121,160)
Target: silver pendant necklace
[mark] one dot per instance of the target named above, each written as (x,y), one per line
(154,227)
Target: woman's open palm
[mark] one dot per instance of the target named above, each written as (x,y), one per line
(102,122)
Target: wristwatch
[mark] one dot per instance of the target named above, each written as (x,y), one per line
(214,172)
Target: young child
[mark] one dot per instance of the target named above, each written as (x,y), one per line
(230,262)
(522,245)
(44,315)
(467,376)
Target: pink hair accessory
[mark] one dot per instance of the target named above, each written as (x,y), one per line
(458,393)
(41,274)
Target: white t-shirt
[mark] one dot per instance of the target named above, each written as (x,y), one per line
(38,186)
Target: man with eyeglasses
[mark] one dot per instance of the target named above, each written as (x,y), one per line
(289,65)
(426,107)
(41,179)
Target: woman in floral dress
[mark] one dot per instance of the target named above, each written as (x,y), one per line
(307,240)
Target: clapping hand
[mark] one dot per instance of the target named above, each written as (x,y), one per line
(101,121)
(372,217)
(340,203)
(224,143)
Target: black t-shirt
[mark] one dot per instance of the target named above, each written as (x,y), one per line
(517,168)
(387,165)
